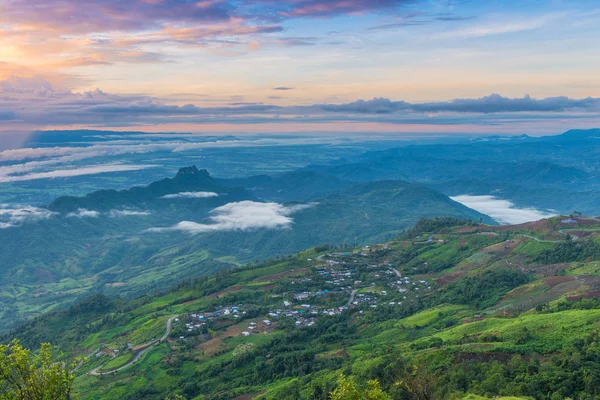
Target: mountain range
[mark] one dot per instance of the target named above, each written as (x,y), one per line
(149,237)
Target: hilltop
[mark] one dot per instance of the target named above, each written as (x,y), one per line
(451,309)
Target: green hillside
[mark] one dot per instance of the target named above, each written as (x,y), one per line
(449,310)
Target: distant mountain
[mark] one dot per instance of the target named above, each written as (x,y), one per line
(362,213)
(291,186)
(561,172)
(575,134)
(187,180)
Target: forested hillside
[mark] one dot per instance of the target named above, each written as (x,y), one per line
(450,310)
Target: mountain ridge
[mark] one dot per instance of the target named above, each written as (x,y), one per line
(187,179)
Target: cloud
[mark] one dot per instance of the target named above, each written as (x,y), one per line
(127,213)
(67,173)
(16,215)
(452,18)
(505,26)
(241,216)
(83,213)
(88,16)
(401,24)
(378,105)
(189,109)
(190,195)
(36,102)
(95,16)
(494,103)
(283,88)
(60,155)
(503,211)
(330,8)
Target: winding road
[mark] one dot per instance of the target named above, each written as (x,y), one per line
(563,232)
(139,355)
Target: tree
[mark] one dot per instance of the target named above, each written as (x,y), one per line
(27,376)
(175,397)
(348,389)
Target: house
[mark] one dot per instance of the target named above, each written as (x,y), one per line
(246,333)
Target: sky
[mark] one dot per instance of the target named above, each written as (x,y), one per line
(289,66)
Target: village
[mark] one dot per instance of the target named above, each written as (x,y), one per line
(336,282)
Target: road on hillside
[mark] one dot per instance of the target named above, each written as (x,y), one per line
(168,331)
(80,363)
(564,232)
(139,355)
(351,298)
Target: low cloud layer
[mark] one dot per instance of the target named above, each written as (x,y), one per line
(14,215)
(83,213)
(241,216)
(14,173)
(127,213)
(503,211)
(190,195)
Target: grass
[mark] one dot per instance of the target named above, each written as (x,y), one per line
(430,316)
(550,332)
(117,361)
(590,268)
(532,248)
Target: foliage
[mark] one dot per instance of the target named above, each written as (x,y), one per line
(482,290)
(348,389)
(437,225)
(26,376)
(569,251)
